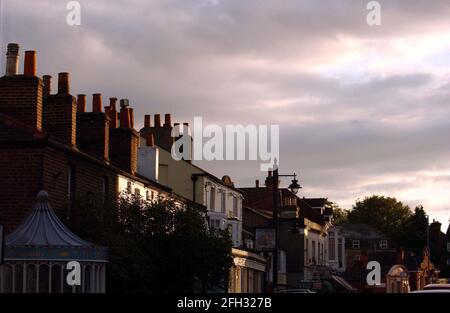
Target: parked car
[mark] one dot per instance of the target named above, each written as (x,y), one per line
(432,291)
(435,288)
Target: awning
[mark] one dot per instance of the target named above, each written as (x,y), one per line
(341,281)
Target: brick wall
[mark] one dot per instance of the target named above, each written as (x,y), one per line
(85,177)
(124,143)
(59,118)
(20,181)
(93,134)
(21,99)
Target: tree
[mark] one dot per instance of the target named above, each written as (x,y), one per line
(385,214)
(339,214)
(414,236)
(157,246)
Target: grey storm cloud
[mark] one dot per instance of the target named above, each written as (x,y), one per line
(351,122)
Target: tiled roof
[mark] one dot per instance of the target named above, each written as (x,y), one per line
(43,228)
(261,199)
(316,202)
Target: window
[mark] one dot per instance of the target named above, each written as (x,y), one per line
(212,199)
(319,251)
(214,224)
(383,244)
(222,201)
(307,249)
(313,252)
(332,246)
(281,261)
(129,188)
(235,207)
(230,230)
(355,244)
(356,258)
(137,192)
(147,195)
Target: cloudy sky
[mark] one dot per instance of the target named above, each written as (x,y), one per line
(362,109)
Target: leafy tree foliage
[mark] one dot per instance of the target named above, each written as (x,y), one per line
(383,213)
(339,214)
(155,246)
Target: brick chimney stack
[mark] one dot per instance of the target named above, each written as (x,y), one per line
(81,103)
(47,85)
(12,59)
(162,134)
(167,120)
(111,112)
(60,113)
(93,130)
(124,115)
(157,120)
(270,179)
(63,83)
(147,121)
(29,65)
(97,103)
(131,112)
(125,140)
(21,95)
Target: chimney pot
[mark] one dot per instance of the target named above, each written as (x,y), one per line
(124,117)
(63,83)
(157,120)
(150,140)
(112,103)
(147,121)
(81,103)
(47,85)
(131,110)
(167,120)
(29,65)
(97,102)
(12,59)
(124,102)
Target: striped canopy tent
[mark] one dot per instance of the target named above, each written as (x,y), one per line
(37,253)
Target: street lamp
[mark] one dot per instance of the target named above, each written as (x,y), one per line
(294,188)
(428,230)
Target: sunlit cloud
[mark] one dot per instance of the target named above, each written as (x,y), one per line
(361,109)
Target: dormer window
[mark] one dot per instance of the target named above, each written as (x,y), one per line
(235,206)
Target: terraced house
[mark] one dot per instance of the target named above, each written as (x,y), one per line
(219,195)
